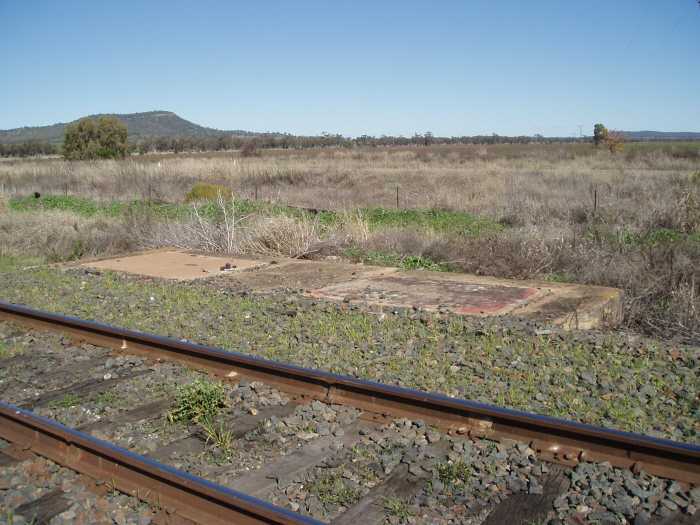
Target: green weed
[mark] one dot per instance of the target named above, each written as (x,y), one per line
(142,504)
(196,400)
(409,262)
(307,426)
(462,224)
(68,400)
(333,489)
(107,397)
(220,437)
(7,349)
(84,208)
(458,472)
(113,488)
(395,507)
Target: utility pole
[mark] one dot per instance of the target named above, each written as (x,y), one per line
(580,128)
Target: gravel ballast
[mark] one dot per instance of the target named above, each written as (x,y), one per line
(610,379)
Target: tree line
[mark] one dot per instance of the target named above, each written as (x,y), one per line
(253,145)
(85,139)
(29,148)
(108,138)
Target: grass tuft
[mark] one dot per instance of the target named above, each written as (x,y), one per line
(333,489)
(196,401)
(220,437)
(397,508)
(458,472)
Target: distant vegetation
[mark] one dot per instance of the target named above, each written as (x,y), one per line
(29,148)
(165,132)
(612,140)
(141,126)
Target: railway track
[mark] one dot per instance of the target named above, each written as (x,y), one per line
(293,445)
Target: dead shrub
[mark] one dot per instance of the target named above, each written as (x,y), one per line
(220,233)
(352,226)
(282,235)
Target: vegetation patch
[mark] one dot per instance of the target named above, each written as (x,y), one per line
(83,208)
(397,508)
(408,262)
(197,400)
(334,489)
(204,191)
(629,220)
(68,401)
(219,436)
(9,349)
(438,221)
(457,472)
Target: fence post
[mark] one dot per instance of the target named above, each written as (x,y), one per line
(595,200)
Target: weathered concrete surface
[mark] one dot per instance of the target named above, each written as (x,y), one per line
(172,264)
(566,305)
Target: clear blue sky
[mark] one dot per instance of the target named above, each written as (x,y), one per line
(362,67)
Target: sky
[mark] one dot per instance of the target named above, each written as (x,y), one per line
(454,68)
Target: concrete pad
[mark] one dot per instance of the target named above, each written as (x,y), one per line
(174,264)
(566,305)
(428,291)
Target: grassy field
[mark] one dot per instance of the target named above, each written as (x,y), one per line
(556,212)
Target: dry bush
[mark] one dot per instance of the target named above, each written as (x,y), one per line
(219,234)
(278,235)
(353,227)
(282,235)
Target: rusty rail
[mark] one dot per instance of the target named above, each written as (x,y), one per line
(176,492)
(555,440)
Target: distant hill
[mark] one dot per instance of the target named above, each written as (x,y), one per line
(168,124)
(140,125)
(661,135)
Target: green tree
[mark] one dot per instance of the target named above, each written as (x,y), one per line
(600,134)
(80,140)
(112,136)
(86,140)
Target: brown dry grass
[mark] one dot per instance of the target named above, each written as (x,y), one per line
(60,235)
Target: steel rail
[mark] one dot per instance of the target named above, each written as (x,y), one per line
(166,487)
(555,440)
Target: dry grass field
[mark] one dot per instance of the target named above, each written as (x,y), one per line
(555,212)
